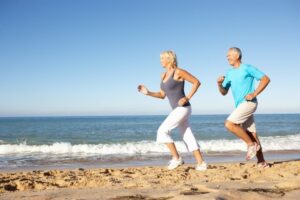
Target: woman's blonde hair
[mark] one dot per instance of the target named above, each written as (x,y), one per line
(171,56)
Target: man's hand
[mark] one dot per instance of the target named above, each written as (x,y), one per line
(220,80)
(250,97)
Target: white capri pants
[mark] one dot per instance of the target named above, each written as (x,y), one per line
(179,117)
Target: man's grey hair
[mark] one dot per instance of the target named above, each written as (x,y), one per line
(238,51)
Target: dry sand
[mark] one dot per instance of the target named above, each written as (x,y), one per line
(220,181)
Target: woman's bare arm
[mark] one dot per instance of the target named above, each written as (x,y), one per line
(143,89)
(190,78)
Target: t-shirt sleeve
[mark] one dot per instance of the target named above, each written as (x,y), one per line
(256,73)
(226,83)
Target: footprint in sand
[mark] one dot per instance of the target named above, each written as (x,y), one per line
(266,192)
(193,191)
(198,190)
(139,197)
(289,185)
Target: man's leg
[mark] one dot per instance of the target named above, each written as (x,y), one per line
(240,115)
(238,131)
(250,127)
(233,123)
(259,154)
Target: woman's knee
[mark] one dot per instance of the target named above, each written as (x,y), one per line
(162,130)
(193,146)
(163,136)
(190,142)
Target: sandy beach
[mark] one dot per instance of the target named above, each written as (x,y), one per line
(221,181)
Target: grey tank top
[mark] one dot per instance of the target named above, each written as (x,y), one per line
(174,91)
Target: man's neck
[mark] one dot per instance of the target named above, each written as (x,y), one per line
(236,65)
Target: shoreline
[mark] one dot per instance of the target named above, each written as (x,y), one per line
(158,161)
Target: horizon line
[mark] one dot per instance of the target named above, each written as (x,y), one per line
(129,115)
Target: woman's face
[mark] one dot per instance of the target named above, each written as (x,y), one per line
(164,61)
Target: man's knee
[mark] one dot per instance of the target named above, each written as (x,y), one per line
(229,125)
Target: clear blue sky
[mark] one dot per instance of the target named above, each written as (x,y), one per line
(60,57)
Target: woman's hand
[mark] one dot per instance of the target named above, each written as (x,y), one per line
(143,89)
(182,101)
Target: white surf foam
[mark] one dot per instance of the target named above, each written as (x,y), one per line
(274,143)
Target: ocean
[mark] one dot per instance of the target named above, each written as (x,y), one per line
(39,142)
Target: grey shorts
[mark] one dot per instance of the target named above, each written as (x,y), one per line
(243,115)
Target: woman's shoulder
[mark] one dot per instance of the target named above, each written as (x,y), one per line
(163,75)
(179,70)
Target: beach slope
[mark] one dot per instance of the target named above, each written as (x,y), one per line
(220,181)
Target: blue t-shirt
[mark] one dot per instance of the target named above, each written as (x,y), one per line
(241,81)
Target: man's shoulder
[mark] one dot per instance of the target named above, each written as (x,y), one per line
(230,71)
(247,66)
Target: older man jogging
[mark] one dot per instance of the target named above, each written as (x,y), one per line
(240,78)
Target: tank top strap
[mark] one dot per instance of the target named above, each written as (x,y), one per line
(173,73)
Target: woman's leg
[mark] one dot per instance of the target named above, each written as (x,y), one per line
(190,140)
(173,150)
(178,115)
(198,156)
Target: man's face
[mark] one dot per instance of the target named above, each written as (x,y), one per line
(232,57)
